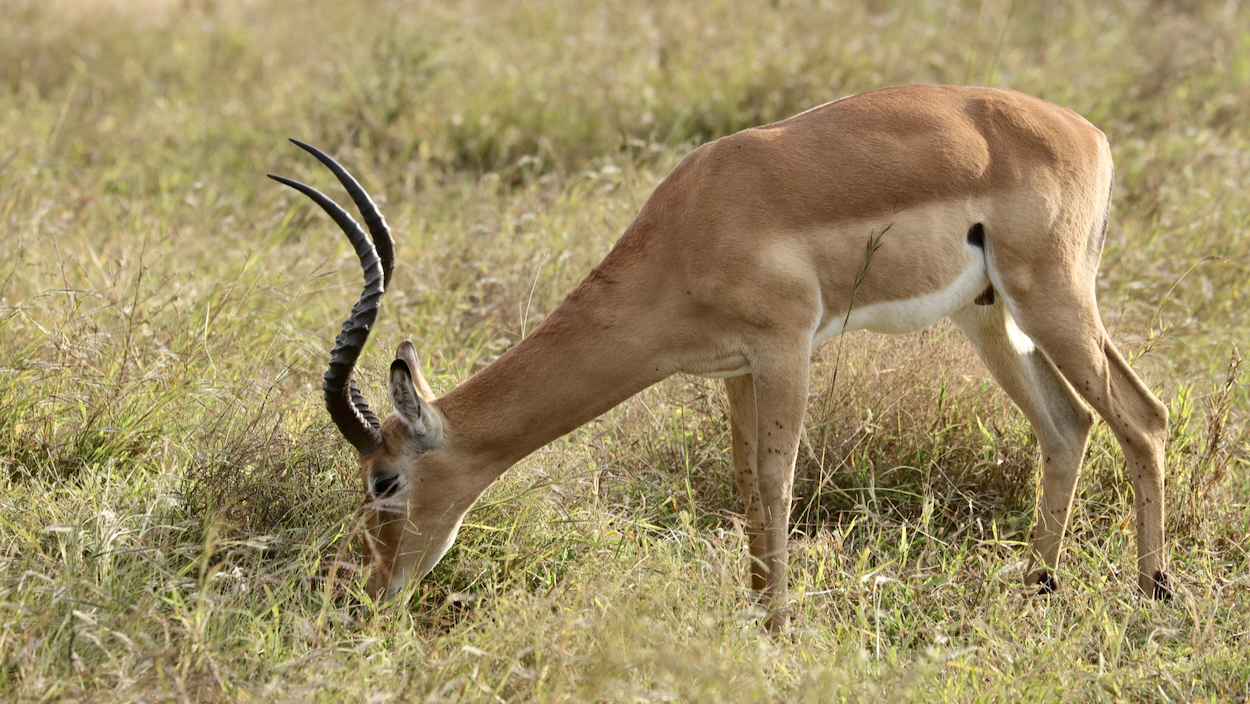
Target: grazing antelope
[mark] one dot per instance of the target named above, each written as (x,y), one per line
(883,211)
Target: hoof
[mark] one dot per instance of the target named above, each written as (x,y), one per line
(1160,590)
(1046,584)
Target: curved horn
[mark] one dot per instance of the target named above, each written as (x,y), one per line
(368,209)
(358,401)
(347,408)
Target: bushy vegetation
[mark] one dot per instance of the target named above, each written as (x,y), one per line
(178,519)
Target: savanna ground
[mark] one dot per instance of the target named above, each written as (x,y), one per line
(178,519)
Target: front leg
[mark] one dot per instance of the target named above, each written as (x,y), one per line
(780,402)
(742,425)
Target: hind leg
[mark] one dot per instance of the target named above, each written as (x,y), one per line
(1059,419)
(1066,326)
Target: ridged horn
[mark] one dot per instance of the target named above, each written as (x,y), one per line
(378,228)
(347,408)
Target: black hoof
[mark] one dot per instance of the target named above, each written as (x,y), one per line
(1161,591)
(1046,584)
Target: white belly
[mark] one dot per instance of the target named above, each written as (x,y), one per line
(910,315)
(890,317)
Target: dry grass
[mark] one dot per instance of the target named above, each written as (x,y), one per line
(177,518)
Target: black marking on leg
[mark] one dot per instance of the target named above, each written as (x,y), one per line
(1047,584)
(1161,590)
(986,298)
(976,235)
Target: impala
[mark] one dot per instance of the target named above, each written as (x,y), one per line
(883,211)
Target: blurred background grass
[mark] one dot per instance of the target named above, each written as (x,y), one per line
(177,517)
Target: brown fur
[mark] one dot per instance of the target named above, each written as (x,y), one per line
(753,244)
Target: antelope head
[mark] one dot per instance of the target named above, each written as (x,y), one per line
(413,506)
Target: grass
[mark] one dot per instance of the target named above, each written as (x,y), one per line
(178,518)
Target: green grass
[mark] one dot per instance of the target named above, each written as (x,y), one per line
(178,518)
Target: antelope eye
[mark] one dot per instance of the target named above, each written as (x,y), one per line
(384,485)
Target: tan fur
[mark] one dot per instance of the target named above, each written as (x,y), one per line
(753,246)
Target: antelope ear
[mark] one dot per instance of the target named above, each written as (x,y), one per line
(410,393)
(408,354)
